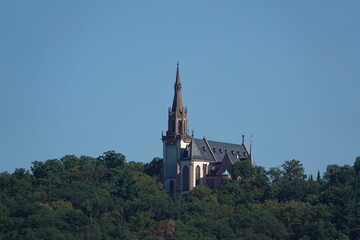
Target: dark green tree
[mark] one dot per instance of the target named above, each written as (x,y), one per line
(112,159)
(242,169)
(154,168)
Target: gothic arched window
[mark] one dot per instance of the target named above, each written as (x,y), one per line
(197,175)
(185,178)
(179,126)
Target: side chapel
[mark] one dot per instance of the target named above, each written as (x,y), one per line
(189,161)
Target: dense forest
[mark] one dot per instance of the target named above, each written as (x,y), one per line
(110,198)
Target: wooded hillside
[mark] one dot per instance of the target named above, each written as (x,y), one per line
(109,198)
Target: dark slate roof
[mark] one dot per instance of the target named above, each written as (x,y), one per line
(198,149)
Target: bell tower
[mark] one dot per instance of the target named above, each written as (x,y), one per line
(177,121)
(176,138)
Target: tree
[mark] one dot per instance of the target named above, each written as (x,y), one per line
(136,166)
(336,175)
(71,162)
(293,170)
(243,169)
(112,159)
(274,174)
(165,229)
(50,171)
(288,182)
(254,222)
(318,177)
(203,193)
(109,198)
(154,168)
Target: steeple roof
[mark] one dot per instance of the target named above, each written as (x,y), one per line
(177,73)
(177,106)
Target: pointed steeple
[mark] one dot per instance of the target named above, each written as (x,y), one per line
(177,122)
(177,106)
(177,73)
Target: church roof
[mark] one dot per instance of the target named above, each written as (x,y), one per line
(202,149)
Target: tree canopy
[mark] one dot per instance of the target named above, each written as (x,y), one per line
(109,198)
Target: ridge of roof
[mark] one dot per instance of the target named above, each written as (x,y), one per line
(218,142)
(211,151)
(214,151)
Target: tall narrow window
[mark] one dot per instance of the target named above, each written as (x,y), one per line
(197,175)
(172,186)
(185,178)
(180,127)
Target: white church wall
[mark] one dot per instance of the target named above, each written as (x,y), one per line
(200,164)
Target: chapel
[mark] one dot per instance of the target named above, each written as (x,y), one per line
(190,161)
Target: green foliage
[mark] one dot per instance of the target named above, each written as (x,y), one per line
(242,169)
(154,168)
(289,182)
(109,198)
(112,159)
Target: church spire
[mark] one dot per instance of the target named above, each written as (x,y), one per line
(177,122)
(177,73)
(177,106)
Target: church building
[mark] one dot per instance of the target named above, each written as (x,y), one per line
(189,161)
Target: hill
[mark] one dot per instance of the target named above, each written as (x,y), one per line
(110,198)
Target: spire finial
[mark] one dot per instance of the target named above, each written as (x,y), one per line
(243,139)
(177,103)
(177,73)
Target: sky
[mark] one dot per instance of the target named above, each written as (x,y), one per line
(85,77)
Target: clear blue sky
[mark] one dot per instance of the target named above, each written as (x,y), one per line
(84,77)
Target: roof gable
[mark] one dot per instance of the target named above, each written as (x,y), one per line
(225,164)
